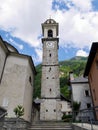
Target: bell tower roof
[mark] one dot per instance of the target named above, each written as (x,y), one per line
(50,21)
(50,24)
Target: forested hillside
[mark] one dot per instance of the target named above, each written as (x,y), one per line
(76,64)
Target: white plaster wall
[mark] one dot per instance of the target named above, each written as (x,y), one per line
(2,59)
(78,91)
(15,88)
(28,93)
(66,106)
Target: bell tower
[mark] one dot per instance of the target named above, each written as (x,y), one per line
(50,108)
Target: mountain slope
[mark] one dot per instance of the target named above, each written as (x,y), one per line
(76,64)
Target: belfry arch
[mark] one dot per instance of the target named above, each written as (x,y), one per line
(50,33)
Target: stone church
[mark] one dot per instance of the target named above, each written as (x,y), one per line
(17,72)
(16,80)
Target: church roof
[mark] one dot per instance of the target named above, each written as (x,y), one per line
(50,21)
(7,46)
(79,80)
(12,51)
(63,98)
(10,47)
(3,45)
(38,101)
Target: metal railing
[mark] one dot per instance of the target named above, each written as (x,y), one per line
(89,116)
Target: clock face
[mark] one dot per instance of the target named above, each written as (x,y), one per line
(49,44)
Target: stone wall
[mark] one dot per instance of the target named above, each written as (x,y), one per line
(53,58)
(50,109)
(50,82)
(15,124)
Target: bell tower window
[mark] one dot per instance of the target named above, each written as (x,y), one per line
(50,33)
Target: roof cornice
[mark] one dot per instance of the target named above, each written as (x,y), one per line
(3,45)
(91,57)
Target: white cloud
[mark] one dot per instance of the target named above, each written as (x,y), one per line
(38,57)
(78,25)
(83,5)
(23,18)
(81,53)
(79,29)
(20,46)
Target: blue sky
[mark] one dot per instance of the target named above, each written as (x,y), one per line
(20,25)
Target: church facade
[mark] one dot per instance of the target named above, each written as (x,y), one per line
(17,73)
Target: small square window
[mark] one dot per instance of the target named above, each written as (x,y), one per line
(54,110)
(46,110)
(87,94)
(88,105)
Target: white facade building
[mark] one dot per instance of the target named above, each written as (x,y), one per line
(81,93)
(66,108)
(16,80)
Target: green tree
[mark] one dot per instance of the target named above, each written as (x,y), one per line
(19,111)
(75,64)
(76,106)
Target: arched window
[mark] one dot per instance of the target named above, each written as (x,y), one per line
(50,33)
